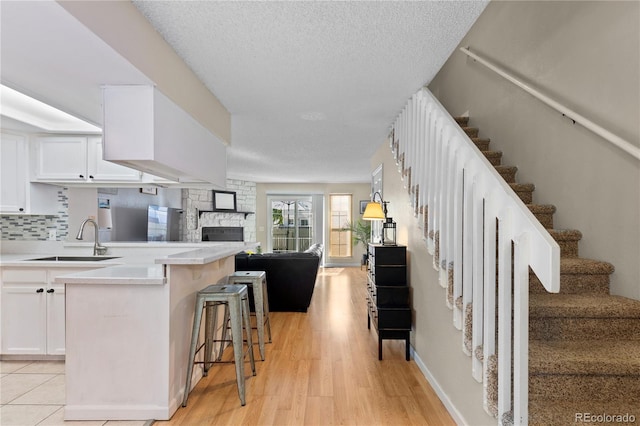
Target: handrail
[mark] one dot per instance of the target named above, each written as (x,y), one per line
(616,140)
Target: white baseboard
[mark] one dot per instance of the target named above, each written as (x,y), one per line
(453,411)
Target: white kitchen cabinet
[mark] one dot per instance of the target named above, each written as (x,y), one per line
(24,312)
(102,170)
(17,194)
(33,311)
(13,173)
(69,159)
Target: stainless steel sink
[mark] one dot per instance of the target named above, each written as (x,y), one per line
(74,258)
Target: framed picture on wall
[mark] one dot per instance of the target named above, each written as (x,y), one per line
(363,205)
(224,200)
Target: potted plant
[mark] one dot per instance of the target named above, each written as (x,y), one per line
(360,234)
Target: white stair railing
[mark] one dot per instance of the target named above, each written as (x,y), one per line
(466,204)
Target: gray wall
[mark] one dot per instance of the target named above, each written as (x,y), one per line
(586,55)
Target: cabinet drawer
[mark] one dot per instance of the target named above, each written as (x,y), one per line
(389,275)
(398,318)
(24,276)
(391,297)
(388,255)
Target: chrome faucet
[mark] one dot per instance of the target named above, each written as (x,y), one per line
(97,248)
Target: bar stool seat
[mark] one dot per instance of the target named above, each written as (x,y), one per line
(257,281)
(235,299)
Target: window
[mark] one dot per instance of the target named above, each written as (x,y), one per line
(340,237)
(286,212)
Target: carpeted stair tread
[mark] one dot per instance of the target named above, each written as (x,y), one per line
(565,234)
(524,191)
(568,240)
(522,186)
(581,265)
(508,173)
(462,121)
(579,387)
(482,143)
(494,157)
(583,306)
(542,208)
(544,213)
(472,132)
(586,357)
(556,412)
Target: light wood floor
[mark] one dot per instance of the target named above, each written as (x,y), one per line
(321,369)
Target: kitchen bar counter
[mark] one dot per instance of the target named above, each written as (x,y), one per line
(128,331)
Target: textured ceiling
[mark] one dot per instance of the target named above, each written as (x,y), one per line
(312,86)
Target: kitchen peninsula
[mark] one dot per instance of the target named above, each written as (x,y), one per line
(128,333)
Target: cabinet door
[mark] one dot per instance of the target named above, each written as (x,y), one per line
(60,158)
(13,177)
(55,319)
(101,170)
(23,318)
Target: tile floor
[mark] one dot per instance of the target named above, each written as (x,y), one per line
(33,393)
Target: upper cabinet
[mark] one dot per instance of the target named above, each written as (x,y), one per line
(68,159)
(13,174)
(17,194)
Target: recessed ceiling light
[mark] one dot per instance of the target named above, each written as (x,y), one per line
(26,109)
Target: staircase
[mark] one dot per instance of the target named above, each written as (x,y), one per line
(584,344)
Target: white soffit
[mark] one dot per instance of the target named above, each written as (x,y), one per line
(312,86)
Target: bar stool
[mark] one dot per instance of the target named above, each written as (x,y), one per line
(235,299)
(257,281)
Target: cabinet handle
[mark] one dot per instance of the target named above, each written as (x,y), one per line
(40,290)
(51,290)
(21,209)
(90,176)
(81,176)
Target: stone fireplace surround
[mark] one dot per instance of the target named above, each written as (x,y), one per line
(195,200)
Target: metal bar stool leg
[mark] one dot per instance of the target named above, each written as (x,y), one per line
(236,330)
(247,325)
(192,350)
(259,305)
(225,332)
(266,308)
(211,325)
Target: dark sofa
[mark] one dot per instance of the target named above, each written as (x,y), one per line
(291,277)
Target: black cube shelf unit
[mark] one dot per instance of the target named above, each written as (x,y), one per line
(388,294)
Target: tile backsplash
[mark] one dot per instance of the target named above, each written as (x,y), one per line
(37,227)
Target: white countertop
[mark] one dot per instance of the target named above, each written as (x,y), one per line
(137,263)
(202,256)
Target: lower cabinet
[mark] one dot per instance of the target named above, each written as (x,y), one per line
(33,311)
